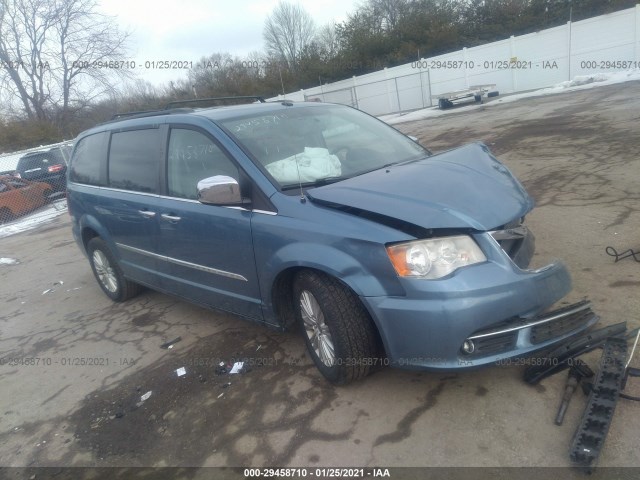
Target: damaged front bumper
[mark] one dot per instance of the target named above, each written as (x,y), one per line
(483,314)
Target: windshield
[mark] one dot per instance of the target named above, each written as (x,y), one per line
(321,144)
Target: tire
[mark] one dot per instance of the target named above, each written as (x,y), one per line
(108,273)
(338,331)
(47,194)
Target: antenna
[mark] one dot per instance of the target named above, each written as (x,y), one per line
(302,198)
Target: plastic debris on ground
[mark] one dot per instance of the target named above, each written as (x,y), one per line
(237,368)
(8,261)
(145,396)
(51,290)
(181,371)
(221,369)
(171,343)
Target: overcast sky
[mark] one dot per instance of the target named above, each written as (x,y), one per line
(190,29)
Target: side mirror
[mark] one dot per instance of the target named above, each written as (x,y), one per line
(219,190)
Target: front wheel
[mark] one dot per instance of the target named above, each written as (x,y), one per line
(338,331)
(108,272)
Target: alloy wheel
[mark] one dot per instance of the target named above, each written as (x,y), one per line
(316,329)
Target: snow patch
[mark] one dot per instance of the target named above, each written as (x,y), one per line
(8,261)
(34,220)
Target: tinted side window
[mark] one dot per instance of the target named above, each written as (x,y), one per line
(134,160)
(192,157)
(86,164)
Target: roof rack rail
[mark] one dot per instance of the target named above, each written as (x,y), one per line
(198,100)
(169,108)
(149,113)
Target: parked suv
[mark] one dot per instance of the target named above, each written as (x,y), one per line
(49,166)
(321,217)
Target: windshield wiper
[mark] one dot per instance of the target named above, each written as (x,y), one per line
(395,164)
(316,183)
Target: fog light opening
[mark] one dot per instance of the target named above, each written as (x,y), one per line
(468,347)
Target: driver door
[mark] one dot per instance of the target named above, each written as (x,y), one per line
(208,248)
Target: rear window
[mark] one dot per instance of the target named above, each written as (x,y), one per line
(32,161)
(134,160)
(87,161)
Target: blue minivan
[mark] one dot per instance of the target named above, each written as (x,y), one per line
(323,218)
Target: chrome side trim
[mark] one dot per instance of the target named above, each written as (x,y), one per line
(551,318)
(215,271)
(265,212)
(111,189)
(140,251)
(188,200)
(155,195)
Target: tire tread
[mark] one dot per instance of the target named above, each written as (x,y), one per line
(127,288)
(354,328)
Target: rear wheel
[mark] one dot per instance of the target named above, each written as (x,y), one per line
(108,272)
(338,331)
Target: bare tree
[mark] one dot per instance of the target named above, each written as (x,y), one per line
(58,55)
(288,31)
(328,41)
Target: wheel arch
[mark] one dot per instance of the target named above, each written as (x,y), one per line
(280,289)
(87,234)
(283,302)
(91,228)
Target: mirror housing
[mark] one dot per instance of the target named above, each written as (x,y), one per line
(219,190)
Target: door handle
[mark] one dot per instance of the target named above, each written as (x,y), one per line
(171,218)
(147,213)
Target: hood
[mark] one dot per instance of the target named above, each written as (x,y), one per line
(462,188)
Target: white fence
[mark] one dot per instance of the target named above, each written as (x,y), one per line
(607,43)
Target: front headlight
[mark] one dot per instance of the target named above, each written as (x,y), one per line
(435,257)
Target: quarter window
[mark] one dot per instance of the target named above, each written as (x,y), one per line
(134,160)
(88,159)
(192,157)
